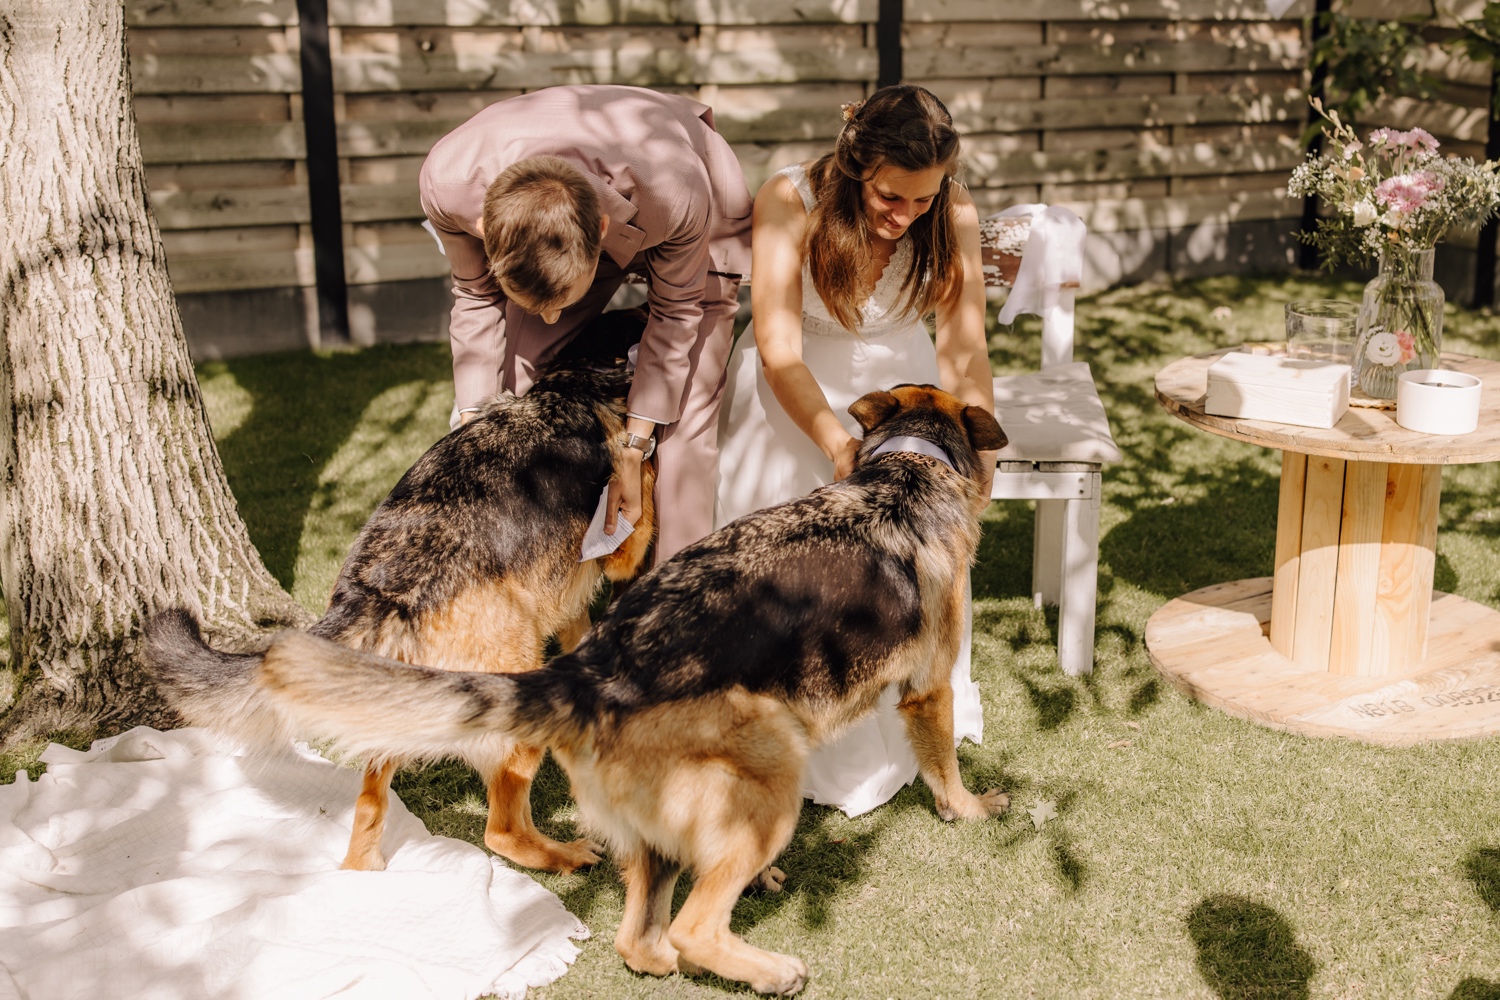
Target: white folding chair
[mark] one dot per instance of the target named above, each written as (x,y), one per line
(1059,435)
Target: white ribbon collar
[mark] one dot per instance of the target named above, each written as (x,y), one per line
(919,445)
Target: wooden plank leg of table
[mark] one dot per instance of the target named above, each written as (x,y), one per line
(1408,541)
(1353,649)
(1288,551)
(1317,566)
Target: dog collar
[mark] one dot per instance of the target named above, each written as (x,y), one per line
(919,445)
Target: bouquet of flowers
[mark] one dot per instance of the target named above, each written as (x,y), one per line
(1393,189)
(1393,197)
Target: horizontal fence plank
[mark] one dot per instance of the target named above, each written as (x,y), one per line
(398,251)
(1152,111)
(642,67)
(1097,10)
(226,272)
(959,60)
(209,13)
(239,41)
(556,13)
(381,202)
(268,72)
(1446,121)
(178,143)
(1171,213)
(740,114)
(164,177)
(217,108)
(230,207)
(1198,159)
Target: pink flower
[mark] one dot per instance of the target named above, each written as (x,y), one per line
(1408,345)
(1381,136)
(1405,193)
(1419,139)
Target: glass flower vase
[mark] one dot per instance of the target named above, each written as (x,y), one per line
(1400,324)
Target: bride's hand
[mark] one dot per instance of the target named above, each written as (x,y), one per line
(843,457)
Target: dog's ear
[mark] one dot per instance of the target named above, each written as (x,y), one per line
(984,430)
(873,409)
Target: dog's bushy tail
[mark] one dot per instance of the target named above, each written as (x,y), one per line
(307,686)
(210,688)
(380,708)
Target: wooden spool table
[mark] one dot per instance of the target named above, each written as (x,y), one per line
(1348,637)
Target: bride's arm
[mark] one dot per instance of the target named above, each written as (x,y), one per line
(962,349)
(776,305)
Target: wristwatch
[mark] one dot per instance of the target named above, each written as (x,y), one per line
(645,445)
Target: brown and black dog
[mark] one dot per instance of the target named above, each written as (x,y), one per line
(472,563)
(684,719)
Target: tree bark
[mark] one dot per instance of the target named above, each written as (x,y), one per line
(113,502)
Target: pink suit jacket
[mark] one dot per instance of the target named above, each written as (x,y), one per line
(677,204)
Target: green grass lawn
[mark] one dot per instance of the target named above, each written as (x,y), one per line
(1194,855)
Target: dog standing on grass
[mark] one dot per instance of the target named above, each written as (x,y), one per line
(685,717)
(472,562)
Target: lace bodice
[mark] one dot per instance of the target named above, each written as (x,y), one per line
(882,313)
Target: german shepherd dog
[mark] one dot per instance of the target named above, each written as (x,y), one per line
(684,718)
(472,563)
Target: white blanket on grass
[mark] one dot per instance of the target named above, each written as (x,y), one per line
(164,866)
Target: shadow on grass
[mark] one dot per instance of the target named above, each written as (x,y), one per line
(1475,989)
(1171,549)
(304,406)
(1482,867)
(1248,951)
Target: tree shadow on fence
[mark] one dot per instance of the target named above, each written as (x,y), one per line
(1248,951)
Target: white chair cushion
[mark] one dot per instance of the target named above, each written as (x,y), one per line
(1054,416)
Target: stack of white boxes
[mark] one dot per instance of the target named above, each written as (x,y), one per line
(1283,390)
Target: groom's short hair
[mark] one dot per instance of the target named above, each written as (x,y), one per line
(541,228)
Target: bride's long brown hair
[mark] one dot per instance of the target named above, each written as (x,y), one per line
(901,126)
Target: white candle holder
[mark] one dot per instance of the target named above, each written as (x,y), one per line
(1434,401)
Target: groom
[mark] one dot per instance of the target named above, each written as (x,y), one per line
(543,204)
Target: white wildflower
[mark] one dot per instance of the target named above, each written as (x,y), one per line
(1364,213)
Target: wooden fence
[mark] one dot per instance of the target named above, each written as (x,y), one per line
(1169,125)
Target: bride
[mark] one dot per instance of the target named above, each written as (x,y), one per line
(849,253)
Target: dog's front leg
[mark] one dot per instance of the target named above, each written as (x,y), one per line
(929,726)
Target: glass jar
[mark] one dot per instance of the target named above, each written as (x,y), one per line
(1400,321)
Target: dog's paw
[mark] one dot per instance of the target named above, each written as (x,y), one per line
(771,879)
(650,954)
(782,976)
(580,853)
(991,803)
(995,801)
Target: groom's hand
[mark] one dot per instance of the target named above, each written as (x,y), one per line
(624,491)
(625,485)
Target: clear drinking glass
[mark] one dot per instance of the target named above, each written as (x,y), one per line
(1322,330)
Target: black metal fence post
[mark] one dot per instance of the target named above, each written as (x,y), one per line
(1307,255)
(321,130)
(888,41)
(1484,260)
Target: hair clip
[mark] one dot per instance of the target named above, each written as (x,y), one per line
(850,109)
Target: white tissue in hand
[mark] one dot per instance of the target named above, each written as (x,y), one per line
(595,542)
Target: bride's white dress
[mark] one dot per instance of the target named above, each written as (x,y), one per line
(764,459)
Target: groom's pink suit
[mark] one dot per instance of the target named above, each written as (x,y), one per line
(679,212)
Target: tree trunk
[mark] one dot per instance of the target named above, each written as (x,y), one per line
(113,502)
